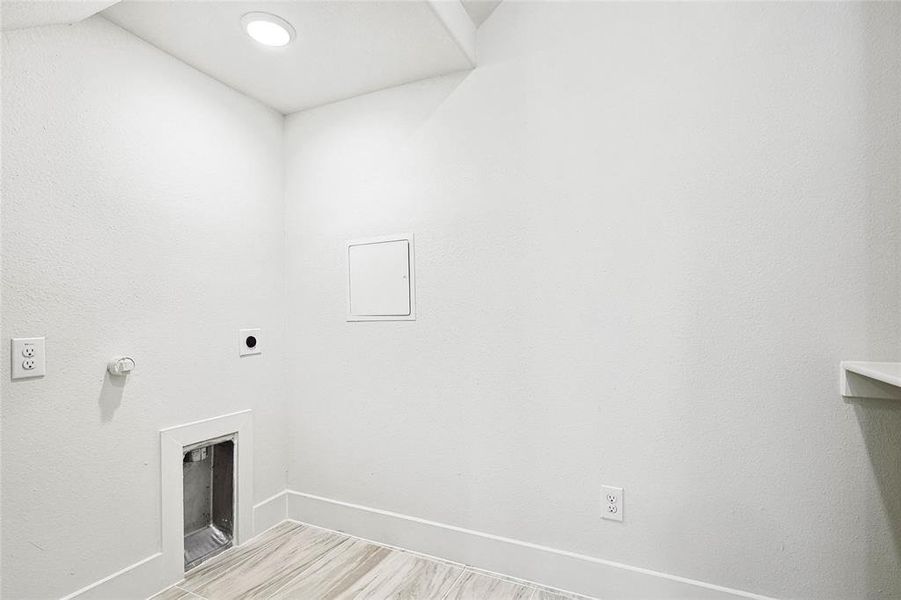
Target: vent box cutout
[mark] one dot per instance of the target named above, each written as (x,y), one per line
(209,499)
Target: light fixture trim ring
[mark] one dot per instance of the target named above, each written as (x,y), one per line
(252,17)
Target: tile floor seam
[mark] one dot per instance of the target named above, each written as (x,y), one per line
(456,581)
(538,587)
(479,574)
(507,578)
(291,579)
(325,556)
(189,592)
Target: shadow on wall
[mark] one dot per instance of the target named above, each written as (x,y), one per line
(880,424)
(110,396)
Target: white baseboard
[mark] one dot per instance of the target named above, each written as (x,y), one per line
(270,512)
(137,581)
(147,577)
(516,558)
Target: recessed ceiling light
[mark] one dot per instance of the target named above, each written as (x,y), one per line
(267,29)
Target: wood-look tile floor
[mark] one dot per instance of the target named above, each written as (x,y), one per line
(293,561)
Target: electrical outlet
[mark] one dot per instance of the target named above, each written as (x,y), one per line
(612,503)
(27,357)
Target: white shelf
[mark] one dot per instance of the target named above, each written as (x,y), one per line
(871,379)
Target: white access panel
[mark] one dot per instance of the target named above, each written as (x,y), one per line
(380,284)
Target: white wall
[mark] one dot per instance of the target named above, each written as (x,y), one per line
(645,235)
(142,215)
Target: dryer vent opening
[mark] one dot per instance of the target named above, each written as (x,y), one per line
(209,499)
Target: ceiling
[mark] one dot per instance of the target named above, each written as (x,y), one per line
(342,48)
(19,14)
(479,10)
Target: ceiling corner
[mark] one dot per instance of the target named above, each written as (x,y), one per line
(479,10)
(22,14)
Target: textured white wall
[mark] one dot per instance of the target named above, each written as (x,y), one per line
(142,215)
(646,235)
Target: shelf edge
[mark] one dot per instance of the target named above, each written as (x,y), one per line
(861,379)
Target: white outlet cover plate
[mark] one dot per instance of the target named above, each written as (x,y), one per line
(244,349)
(27,349)
(616,493)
